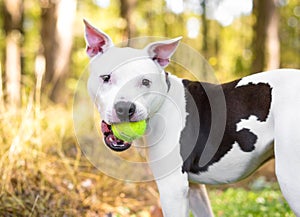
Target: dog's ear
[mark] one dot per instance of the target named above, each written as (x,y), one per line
(162,51)
(96,40)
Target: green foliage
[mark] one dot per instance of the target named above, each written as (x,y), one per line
(240,202)
(290,35)
(231,56)
(229,48)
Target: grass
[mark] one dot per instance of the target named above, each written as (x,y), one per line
(237,202)
(44,173)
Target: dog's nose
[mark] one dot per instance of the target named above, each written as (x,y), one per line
(125,110)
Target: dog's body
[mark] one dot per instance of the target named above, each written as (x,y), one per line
(197,132)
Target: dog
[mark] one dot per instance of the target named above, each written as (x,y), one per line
(197,132)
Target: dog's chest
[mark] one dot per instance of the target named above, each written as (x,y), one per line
(224,142)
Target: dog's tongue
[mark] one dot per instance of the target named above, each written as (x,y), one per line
(111,141)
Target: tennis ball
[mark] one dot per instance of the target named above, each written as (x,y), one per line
(129,131)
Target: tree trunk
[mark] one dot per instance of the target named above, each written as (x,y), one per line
(57,40)
(127,9)
(205,38)
(266,52)
(13,18)
(273,43)
(204,31)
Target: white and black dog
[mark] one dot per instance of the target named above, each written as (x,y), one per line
(200,132)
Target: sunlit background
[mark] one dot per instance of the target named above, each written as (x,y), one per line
(42,55)
(226,32)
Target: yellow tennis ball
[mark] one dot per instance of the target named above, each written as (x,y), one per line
(129,131)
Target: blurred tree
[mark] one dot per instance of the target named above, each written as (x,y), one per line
(266,46)
(13,19)
(289,35)
(57,39)
(127,9)
(204,31)
(273,43)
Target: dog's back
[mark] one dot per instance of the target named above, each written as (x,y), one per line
(261,108)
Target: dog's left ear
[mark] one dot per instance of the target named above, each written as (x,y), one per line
(162,51)
(96,40)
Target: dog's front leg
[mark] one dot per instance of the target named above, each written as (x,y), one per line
(174,190)
(172,183)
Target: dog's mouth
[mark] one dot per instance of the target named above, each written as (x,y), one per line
(111,140)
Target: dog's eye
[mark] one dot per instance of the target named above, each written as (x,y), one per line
(146,82)
(105,78)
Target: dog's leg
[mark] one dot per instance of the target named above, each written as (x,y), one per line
(199,201)
(287,172)
(287,160)
(172,183)
(174,190)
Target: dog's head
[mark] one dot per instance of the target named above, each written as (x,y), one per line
(126,84)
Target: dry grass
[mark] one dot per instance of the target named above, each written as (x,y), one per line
(44,173)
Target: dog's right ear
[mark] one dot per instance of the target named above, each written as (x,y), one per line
(96,40)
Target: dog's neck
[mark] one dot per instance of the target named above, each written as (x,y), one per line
(173,108)
(164,149)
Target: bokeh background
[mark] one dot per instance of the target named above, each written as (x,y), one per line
(42,55)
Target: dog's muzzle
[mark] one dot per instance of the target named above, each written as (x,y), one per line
(111,140)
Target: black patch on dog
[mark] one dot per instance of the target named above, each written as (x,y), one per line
(241,102)
(168,81)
